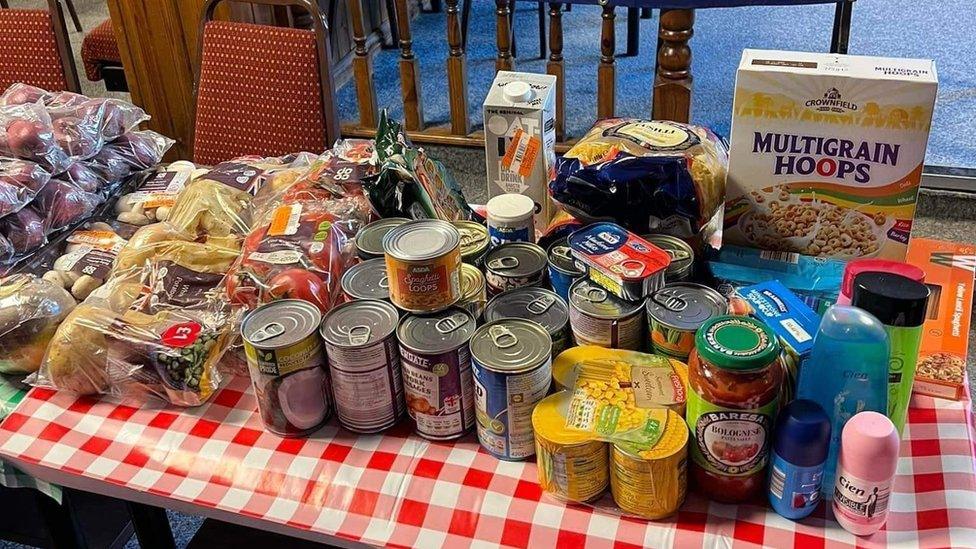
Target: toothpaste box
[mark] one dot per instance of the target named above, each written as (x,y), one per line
(826,152)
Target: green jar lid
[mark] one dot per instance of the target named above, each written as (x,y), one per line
(736,343)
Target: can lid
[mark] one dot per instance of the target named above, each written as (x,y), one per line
(510,207)
(802,434)
(517,92)
(280,323)
(869,447)
(541,305)
(474,237)
(516,259)
(472,282)
(736,343)
(858,266)
(436,333)
(367,280)
(682,255)
(561,258)
(685,306)
(369,239)
(594,300)
(359,323)
(894,299)
(511,345)
(421,239)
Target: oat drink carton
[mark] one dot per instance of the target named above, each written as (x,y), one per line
(520,138)
(827,152)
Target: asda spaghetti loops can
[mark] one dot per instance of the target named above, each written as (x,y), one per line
(364,363)
(423,263)
(598,317)
(512,364)
(515,265)
(437,372)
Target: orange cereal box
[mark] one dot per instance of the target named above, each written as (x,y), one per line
(949,269)
(826,152)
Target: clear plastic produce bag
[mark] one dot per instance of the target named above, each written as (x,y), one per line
(30,311)
(116,116)
(61,204)
(131,152)
(28,134)
(20,181)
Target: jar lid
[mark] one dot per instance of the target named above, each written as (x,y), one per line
(736,343)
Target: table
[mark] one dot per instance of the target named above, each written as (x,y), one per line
(12,392)
(398,489)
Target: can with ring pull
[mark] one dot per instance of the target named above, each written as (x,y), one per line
(515,265)
(598,317)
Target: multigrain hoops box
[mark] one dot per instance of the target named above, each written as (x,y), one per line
(827,152)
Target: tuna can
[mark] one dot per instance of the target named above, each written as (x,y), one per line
(563,270)
(369,239)
(474,241)
(512,364)
(598,317)
(473,293)
(652,482)
(366,280)
(423,261)
(437,372)
(682,265)
(675,313)
(287,367)
(538,304)
(514,265)
(572,465)
(364,363)
(511,218)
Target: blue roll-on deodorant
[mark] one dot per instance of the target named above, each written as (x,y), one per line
(800,444)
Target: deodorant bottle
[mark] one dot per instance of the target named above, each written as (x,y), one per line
(800,443)
(865,473)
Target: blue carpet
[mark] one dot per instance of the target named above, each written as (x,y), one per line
(880,27)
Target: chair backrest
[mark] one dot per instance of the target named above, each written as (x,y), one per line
(261,89)
(35,49)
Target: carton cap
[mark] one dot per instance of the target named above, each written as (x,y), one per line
(517,92)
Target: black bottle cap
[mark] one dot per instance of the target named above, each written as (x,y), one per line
(893,299)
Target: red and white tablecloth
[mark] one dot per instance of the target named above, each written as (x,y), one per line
(398,489)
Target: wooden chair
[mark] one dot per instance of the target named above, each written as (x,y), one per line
(261,89)
(36,49)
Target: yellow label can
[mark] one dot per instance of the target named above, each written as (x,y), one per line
(652,483)
(572,465)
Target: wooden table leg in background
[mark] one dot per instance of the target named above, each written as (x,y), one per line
(672,83)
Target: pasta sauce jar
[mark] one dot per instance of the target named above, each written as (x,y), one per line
(734,380)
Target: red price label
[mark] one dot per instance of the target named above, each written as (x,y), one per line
(181,335)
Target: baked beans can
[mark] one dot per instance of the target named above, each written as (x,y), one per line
(369,239)
(625,264)
(512,364)
(598,317)
(538,304)
(423,262)
(682,265)
(437,372)
(572,464)
(474,241)
(473,292)
(563,270)
(652,481)
(364,364)
(511,218)
(514,265)
(366,280)
(287,366)
(675,312)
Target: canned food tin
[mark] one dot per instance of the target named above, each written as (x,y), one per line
(474,241)
(473,293)
(437,372)
(675,313)
(369,239)
(538,304)
(423,261)
(598,317)
(366,280)
(563,270)
(572,465)
(652,483)
(287,367)
(682,256)
(364,363)
(625,264)
(514,265)
(512,364)
(510,218)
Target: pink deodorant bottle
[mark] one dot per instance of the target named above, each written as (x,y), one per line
(865,473)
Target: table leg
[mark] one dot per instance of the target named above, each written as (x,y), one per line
(542,30)
(842,26)
(151,526)
(633,32)
(57,519)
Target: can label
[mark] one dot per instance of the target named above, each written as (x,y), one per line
(367,385)
(622,333)
(425,286)
(728,441)
(576,473)
(501,234)
(795,488)
(860,500)
(439,392)
(498,283)
(671,341)
(504,405)
(560,282)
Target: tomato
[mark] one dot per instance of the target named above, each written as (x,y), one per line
(298,283)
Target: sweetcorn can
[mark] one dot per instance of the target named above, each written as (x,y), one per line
(423,262)
(515,265)
(473,292)
(682,256)
(537,304)
(652,482)
(598,317)
(563,270)
(512,364)
(366,280)
(369,239)
(364,363)
(437,372)
(474,241)
(675,313)
(572,465)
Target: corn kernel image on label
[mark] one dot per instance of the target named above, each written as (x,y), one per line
(827,152)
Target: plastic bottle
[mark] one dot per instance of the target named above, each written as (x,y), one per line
(847,373)
(901,304)
(800,444)
(865,473)
(858,266)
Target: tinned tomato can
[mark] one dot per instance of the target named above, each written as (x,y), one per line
(598,317)
(423,263)
(436,365)
(515,265)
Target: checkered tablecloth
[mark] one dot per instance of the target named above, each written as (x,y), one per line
(11,393)
(397,489)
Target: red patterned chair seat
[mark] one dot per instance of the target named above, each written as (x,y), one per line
(28,50)
(99,48)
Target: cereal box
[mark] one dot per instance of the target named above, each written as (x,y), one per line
(949,269)
(827,152)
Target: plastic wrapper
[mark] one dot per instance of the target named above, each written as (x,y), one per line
(131,152)
(154,198)
(649,176)
(24,230)
(84,261)
(61,204)
(86,178)
(30,311)
(28,134)
(20,181)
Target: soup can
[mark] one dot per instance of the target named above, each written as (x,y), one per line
(563,270)
(652,482)
(682,265)
(473,293)
(675,313)
(369,239)
(512,364)
(572,464)
(423,262)
(515,265)
(287,366)
(538,304)
(437,372)
(366,280)
(474,241)
(364,364)
(511,218)
(598,317)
